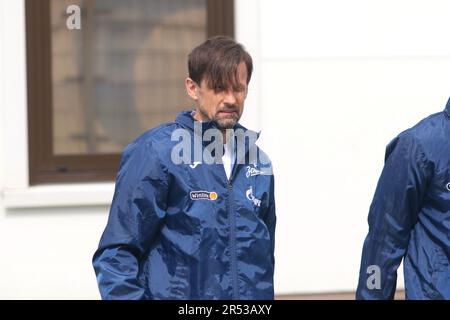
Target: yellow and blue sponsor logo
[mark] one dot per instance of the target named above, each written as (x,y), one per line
(203,195)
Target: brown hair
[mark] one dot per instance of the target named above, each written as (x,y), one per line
(216,60)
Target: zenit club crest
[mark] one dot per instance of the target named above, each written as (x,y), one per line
(203,195)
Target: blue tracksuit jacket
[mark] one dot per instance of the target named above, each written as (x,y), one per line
(184,231)
(410,215)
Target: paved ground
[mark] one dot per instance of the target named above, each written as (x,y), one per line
(400,295)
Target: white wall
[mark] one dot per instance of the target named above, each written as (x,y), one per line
(333,84)
(47,234)
(337,81)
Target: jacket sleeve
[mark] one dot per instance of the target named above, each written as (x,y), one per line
(271,218)
(137,209)
(393,214)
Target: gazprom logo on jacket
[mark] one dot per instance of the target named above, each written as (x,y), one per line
(203,195)
(252,198)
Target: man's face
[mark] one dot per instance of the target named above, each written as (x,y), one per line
(224,107)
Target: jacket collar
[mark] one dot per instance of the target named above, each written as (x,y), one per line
(186,120)
(447,108)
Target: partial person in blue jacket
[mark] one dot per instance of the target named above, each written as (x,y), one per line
(410,216)
(193,213)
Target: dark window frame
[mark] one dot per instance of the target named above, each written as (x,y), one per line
(44,166)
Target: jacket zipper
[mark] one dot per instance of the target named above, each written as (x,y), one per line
(233,248)
(232,220)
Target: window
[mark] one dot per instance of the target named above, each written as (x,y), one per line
(93,90)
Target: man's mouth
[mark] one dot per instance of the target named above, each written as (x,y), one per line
(228,111)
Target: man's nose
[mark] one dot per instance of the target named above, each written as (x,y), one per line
(230,97)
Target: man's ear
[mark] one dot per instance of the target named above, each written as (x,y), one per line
(191,88)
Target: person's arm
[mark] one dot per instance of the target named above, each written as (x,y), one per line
(270,218)
(137,209)
(393,214)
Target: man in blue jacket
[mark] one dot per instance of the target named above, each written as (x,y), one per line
(410,216)
(194,217)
